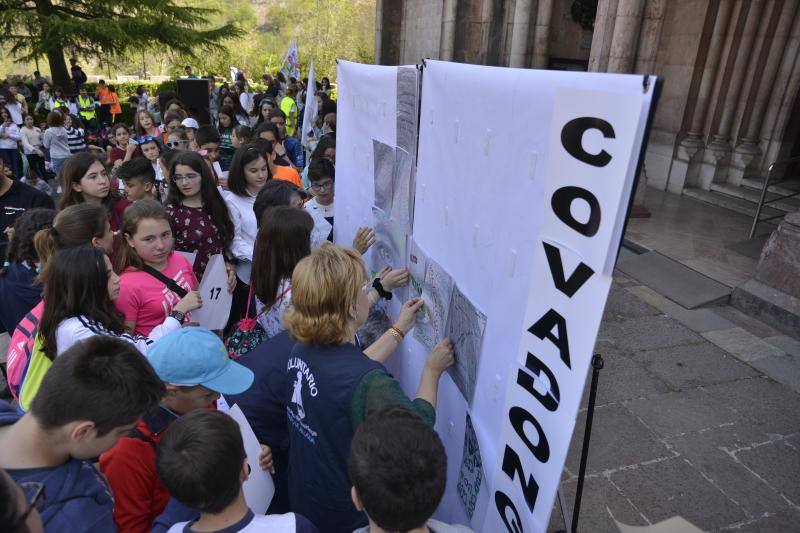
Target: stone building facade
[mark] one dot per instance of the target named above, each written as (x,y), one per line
(731,69)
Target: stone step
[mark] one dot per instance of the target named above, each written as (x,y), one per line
(732,203)
(787,205)
(782,188)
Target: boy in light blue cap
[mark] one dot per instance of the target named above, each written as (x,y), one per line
(196,369)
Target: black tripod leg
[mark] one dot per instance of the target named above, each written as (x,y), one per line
(597,365)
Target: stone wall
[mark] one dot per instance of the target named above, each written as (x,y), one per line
(568,40)
(731,68)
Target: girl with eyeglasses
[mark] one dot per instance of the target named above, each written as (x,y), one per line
(197,213)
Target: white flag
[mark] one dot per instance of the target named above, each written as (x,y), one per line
(310,114)
(291,63)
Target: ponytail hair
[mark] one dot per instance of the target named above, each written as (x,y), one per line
(135,213)
(74,226)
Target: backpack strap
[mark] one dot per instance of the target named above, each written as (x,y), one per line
(170,283)
(135,433)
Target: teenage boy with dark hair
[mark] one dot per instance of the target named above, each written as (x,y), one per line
(322,175)
(139,178)
(194,365)
(207,138)
(92,395)
(398,468)
(16,198)
(201,460)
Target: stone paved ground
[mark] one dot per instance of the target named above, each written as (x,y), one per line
(698,415)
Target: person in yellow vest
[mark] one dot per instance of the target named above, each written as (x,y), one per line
(289,108)
(103,95)
(87,110)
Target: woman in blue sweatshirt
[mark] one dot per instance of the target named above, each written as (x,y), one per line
(332,385)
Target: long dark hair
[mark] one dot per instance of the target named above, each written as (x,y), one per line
(283,240)
(72,171)
(327,141)
(243,157)
(226,110)
(22,247)
(76,284)
(237,104)
(213,203)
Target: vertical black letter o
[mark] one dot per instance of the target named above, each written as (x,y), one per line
(562,202)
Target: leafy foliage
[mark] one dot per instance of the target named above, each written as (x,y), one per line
(106,28)
(161,36)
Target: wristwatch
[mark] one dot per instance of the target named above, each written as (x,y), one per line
(177,315)
(378,286)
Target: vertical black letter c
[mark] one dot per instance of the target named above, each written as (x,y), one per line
(572,139)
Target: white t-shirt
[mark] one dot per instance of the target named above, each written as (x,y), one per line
(275,523)
(272,319)
(322,228)
(245,231)
(434,525)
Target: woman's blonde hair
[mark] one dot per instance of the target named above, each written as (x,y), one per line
(325,286)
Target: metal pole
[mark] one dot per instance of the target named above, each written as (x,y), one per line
(597,365)
(761,201)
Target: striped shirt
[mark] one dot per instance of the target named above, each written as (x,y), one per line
(77,141)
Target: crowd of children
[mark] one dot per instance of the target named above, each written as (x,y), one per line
(114,420)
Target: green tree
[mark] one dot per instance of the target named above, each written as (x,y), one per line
(107,28)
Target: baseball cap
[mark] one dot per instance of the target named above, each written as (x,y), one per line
(190,123)
(196,356)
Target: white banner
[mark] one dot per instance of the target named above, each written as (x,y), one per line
(310,113)
(520,203)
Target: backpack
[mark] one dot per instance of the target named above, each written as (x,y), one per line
(21,347)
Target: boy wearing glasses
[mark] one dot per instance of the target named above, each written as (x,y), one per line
(91,396)
(322,175)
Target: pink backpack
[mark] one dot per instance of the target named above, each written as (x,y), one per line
(21,347)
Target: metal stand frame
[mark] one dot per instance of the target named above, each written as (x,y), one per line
(571,526)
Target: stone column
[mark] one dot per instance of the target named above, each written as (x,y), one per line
(519,33)
(626,34)
(649,36)
(647,49)
(541,42)
(781,100)
(763,67)
(447,41)
(685,169)
(720,146)
(603,32)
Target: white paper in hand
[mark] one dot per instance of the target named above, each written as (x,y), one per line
(259,487)
(216,298)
